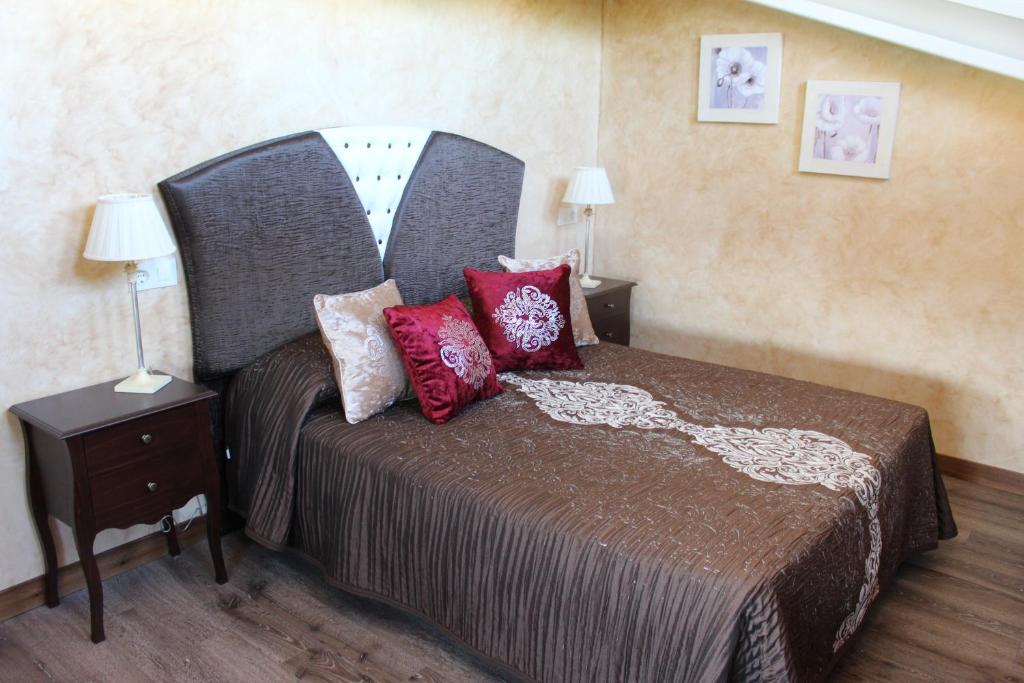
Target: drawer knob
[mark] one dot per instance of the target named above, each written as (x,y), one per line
(609,305)
(609,335)
(151,486)
(146,438)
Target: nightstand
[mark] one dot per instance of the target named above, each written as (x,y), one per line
(97,459)
(608,305)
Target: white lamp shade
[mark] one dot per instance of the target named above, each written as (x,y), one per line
(589,185)
(127,227)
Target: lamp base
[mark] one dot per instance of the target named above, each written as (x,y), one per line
(142,383)
(588,282)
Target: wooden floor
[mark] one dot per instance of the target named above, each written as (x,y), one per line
(956,614)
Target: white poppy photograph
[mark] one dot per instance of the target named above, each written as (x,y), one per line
(849,128)
(740,75)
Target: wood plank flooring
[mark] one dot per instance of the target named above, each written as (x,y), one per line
(956,614)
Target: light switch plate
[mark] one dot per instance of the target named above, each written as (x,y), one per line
(158,272)
(568,215)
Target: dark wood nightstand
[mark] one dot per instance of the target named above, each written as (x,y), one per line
(608,305)
(97,459)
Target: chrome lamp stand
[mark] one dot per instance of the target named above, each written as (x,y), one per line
(142,382)
(588,255)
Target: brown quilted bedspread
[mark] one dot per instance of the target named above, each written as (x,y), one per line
(671,521)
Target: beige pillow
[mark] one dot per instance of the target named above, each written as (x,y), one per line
(367,366)
(582,330)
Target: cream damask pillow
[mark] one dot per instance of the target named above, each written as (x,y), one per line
(582,329)
(367,366)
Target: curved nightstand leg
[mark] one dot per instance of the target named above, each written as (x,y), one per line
(41,518)
(213,534)
(83,542)
(42,522)
(173,549)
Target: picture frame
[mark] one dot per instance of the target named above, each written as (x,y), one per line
(740,77)
(849,128)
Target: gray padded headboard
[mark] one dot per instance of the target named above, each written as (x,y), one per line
(263,229)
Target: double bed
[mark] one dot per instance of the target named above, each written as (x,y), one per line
(647,518)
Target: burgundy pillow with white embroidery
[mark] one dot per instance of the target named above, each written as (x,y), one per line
(447,361)
(524,318)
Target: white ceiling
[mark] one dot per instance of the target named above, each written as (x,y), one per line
(988,34)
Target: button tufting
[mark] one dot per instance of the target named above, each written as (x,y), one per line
(387,192)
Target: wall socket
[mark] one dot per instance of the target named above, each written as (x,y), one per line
(568,215)
(158,272)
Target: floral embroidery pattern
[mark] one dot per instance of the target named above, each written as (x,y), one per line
(464,351)
(579,317)
(530,318)
(374,345)
(780,456)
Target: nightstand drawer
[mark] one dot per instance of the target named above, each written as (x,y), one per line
(146,489)
(163,432)
(608,305)
(614,329)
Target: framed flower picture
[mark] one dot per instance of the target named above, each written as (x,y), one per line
(740,77)
(849,128)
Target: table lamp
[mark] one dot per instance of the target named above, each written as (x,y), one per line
(128,227)
(589,186)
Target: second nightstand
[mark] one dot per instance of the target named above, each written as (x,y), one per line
(608,305)
(98,459)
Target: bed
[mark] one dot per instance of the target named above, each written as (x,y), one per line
(648,518)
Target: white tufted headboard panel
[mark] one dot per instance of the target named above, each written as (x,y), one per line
(378,161)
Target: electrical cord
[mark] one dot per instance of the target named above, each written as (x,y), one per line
(167,521)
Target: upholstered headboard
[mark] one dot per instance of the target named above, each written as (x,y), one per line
(263,229)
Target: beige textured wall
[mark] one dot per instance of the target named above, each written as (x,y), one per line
(100,96)
(911,288)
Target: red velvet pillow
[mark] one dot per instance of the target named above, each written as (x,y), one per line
(448,364)
(525,318)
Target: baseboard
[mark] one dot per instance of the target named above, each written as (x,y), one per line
(29,594)
(986,475)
